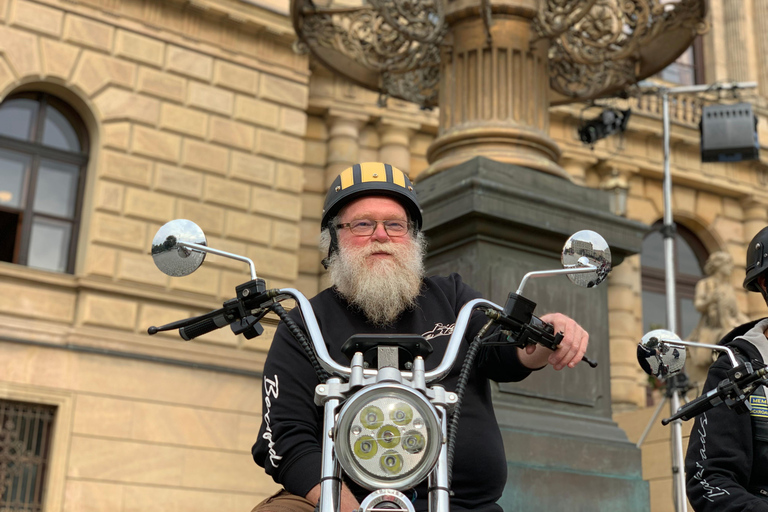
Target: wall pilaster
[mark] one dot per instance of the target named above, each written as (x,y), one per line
(343,142)
(736,39)
(395,139)
(760,21)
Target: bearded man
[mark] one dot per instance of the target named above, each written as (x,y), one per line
(371,228)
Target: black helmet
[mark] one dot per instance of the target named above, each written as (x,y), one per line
(371,179)
(757,260)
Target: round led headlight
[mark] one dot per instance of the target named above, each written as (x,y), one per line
(388,436)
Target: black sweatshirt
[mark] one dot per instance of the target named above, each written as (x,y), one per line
(289,445)
(727,461)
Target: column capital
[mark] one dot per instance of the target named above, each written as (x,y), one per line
(334,115)
(387,122)
(755,209)
(343,123)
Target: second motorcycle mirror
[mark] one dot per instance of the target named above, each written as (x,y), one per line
(659,355)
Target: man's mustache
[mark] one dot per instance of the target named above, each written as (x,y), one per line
(378,247)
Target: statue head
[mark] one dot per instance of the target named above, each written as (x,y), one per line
(719,262)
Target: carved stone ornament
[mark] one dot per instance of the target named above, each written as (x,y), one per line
(389,46)
(609,48)
(596,46)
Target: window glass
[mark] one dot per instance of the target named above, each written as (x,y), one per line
(653,254)
(16,118)
(49,245)
(654,311)
(56,188)
(40,181)
(9,229)
(653,250)
(58,132)
(681,71)
(13,167)
(687,262)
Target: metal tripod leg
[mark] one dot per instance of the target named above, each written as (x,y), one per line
(676,441)
(678,459)
(650,423)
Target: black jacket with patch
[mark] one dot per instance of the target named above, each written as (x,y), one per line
(289,443)
(727,461)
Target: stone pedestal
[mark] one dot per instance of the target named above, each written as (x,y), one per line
(493,222)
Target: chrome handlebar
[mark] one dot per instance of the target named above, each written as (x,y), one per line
(332,367)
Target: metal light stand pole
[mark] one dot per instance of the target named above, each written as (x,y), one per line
(678,385)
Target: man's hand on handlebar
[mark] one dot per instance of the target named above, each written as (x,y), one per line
(570,351)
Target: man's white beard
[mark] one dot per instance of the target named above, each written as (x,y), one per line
(382,288)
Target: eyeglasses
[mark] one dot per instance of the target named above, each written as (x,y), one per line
(366,227)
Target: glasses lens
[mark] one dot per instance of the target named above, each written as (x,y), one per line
(366,227)
(396,227)
(362,227)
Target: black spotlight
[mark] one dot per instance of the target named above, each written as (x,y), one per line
(729,133)
(609,122)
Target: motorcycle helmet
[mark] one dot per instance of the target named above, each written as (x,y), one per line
(757,261)
(371,179)
(367,179)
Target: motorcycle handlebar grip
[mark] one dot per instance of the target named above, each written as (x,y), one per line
(695,407)
(202,327)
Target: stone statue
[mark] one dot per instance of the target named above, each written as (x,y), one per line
(716,302)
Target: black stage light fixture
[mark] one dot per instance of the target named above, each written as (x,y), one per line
(729,133)
(607,123)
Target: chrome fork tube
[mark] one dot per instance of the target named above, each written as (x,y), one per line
(439,499)
(330,483)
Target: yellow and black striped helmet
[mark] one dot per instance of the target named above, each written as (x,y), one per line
(371,179)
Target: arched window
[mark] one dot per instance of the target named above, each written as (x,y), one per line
(688,68)
(689,259)
(43,155)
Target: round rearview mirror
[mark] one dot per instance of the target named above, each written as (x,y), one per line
(587,248)
(658,354)
(172,258)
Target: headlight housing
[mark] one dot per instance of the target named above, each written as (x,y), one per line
(388,436)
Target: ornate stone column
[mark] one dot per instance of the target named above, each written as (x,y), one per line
(494,90)
(736,29)
(760,21)
(395,140)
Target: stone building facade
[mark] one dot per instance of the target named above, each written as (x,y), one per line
(200,109)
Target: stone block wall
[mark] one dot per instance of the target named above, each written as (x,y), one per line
(193,110)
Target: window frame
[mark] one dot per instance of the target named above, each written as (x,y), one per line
(654,279)
(34,148)
(697,67)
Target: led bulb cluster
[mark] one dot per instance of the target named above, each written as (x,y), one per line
(388,437)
